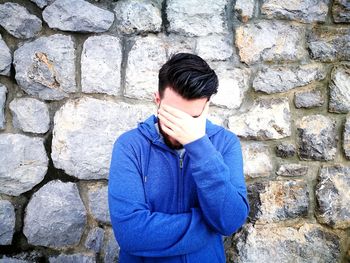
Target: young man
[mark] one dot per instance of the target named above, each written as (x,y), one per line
(176,182)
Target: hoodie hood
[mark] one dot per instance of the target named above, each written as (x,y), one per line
(148,129)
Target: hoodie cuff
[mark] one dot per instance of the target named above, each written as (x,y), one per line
(200,149)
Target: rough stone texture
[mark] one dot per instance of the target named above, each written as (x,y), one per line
(270,41)
(101,64)
(328,43)
(77,144)
(18,21)
(286,244)
(5,58)
(266,119)
(42,3)
(341,11)
(275,201)
(332,194)
(245,9)
(346,137)
(24,165)
(196,17)
(94,240)
(214,47)
(285,150)
(13,260)
(7,222)
(339,86)
(317,138)
(98,203)
(292,169)
(30,115)
(141,82)
(45,67)
(256,160)
(3,91)
(78,16)
(176,44)
(233,84)
(308,99)
(55,216)
(307,11)
(276,79)
(111,248)
(81,258)
(138,16)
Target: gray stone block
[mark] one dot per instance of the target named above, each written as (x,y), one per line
(23,165)
(55,216)
(45,67)
(77,16)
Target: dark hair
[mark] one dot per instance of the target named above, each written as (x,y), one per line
(188,75)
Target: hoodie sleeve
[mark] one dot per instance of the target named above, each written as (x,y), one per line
(220,183)
(139,231)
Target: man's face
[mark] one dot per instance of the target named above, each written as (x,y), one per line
(192,107)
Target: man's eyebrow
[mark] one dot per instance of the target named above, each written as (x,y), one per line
(196,116)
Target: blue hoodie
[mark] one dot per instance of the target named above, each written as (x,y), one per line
(170,208)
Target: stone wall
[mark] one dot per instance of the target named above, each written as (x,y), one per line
(76,74)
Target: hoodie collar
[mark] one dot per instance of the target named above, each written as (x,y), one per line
(148,129)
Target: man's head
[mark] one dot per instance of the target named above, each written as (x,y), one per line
(186,82)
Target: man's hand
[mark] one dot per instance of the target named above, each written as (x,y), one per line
(182,126)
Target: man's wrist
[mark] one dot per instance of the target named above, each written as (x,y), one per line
(200,149)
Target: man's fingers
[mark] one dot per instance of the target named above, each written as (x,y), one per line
(168,116)
(167,122)
(168,131)
(175,112)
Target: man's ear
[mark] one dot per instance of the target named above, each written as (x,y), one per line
(156,98)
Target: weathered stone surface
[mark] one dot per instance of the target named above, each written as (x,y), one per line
(138,16)
(266,119)
(332,194)
(275,201)
(84,134)
(317,138)
(45,67)
(285,150)
(245,9)
(270,41)
(196,17)
(307,11)
(94,240)
(5,58)
(98,203)
(233,84)
(177,44)
(329,44)
(101,64)
(256,160)
(18,21)
(308,99)
(55,216)
(276,244)
(214,47)
(341,11)
(7,222)
(74,258)
(276,79)
(24,165)
(111,248)
(141,82)
(3,91)
(339,89)
(346,137)
(30,115)
(78,16)
(13,260)
(42,3)
(292,169)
